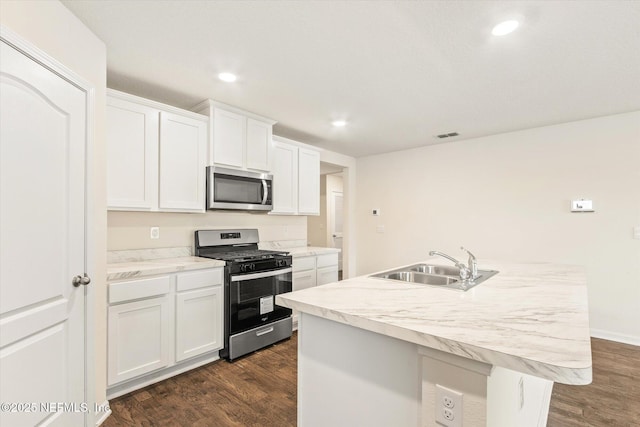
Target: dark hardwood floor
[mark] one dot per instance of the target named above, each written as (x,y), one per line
(611,400)
(261,391)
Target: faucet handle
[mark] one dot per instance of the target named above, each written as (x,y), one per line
(473,263)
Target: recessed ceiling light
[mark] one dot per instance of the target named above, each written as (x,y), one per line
(504,28)
(339,123)
(227,77)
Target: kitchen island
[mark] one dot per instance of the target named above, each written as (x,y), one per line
(378,352)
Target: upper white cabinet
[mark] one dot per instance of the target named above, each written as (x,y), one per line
(285,178)
(308,182)
(132,155)
(239,139)
(156,156)
(296,178)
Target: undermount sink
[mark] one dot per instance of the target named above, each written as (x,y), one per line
(435,275)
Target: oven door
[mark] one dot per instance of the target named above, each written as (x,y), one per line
(252,298)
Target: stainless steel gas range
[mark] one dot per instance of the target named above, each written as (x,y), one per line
(253,278)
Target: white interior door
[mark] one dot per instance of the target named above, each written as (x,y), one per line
(42,234)
(336,223)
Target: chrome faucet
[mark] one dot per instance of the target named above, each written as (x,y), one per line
(473,264)
(464,270)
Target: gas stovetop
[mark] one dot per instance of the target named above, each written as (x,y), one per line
(242,255)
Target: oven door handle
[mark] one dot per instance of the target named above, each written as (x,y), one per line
(242,277)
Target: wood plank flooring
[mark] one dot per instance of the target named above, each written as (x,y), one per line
(611,400)
(260,390)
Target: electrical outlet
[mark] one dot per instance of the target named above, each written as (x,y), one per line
(154,232)
(448,407)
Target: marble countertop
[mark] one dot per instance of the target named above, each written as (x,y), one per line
(531,318)
(137,263)
(310,251)
(151,267)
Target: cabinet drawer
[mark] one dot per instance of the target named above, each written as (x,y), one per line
(199,279)
(304,263)
(136,289)
(327,260)
(303,280)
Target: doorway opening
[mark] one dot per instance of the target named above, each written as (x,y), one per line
(325,230)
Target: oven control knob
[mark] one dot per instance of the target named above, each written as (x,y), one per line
(252,266)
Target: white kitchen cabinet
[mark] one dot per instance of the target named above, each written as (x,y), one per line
(304,273)
(228,138)
(313,270)
(308,182)
(199,313)
(156,156)
(132,155)
(139,334)
(240,139)
(161,326)
(183,146)
(296,178)
(285,178)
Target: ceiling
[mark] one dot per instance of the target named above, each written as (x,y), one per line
(399,72)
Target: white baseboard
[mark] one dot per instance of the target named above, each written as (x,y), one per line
(105,414)
(613,336)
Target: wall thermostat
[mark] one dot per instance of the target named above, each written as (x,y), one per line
(375,212)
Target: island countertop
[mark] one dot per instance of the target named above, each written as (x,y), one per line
(532,318)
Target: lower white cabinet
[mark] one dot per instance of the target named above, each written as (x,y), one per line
(139,335)
(304,273)
(313,270)
(326,269)
(161,326)
(198,328)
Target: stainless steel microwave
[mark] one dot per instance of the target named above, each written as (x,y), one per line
(237,189)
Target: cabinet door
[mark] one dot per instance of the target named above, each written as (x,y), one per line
(228,138)
(132,155)
(198,322)
(285,178)
(139,334)
(258,144)
(327,275)
(183,145)
(309,182)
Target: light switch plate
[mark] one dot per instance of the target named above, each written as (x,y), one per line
(636,232)
(582,206)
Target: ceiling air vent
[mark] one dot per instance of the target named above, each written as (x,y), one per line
(447,135)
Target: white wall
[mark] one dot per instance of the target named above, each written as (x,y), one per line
(55,30)
(130,230)
(507,197)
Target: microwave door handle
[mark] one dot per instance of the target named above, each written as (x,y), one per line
(265,192)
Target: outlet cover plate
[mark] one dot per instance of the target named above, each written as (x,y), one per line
(448,407)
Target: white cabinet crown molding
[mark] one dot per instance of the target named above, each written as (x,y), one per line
(155,104)
(210,103)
